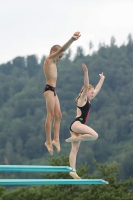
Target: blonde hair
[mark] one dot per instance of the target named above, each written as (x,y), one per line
(89,88)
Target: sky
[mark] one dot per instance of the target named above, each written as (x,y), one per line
(30,27)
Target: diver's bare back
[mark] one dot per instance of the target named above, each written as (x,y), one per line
(50,71)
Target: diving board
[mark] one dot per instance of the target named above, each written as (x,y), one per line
(23,182)
(34,168)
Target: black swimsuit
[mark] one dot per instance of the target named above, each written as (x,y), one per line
(85,111)
(49,87)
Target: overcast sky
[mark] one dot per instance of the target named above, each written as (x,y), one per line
(33,26)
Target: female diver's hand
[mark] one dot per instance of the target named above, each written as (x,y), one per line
(102,76)
(85,69)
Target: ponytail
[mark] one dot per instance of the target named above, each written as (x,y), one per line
(89,87)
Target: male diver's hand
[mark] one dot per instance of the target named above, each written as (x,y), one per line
(85,69)
(76,35)
(102,76)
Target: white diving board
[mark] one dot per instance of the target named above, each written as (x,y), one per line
(34,168)
(23,182)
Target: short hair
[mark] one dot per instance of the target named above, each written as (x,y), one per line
(55,48)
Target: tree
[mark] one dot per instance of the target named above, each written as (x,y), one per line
(19,62)
(23,109)
(9,153)
(6,68)
(90,46)
(42,61)
(32,65)
(79,53)
(115,190)
(130,39)
(112,42)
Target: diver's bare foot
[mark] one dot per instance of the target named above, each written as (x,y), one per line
(73,139)
(57,145)
(74,175)
(49,147)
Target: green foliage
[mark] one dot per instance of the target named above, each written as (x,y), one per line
(115,190)
(23,110)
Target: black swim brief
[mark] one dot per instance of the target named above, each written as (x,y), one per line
(49,87)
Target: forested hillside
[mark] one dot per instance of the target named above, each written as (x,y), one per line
(23,113)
